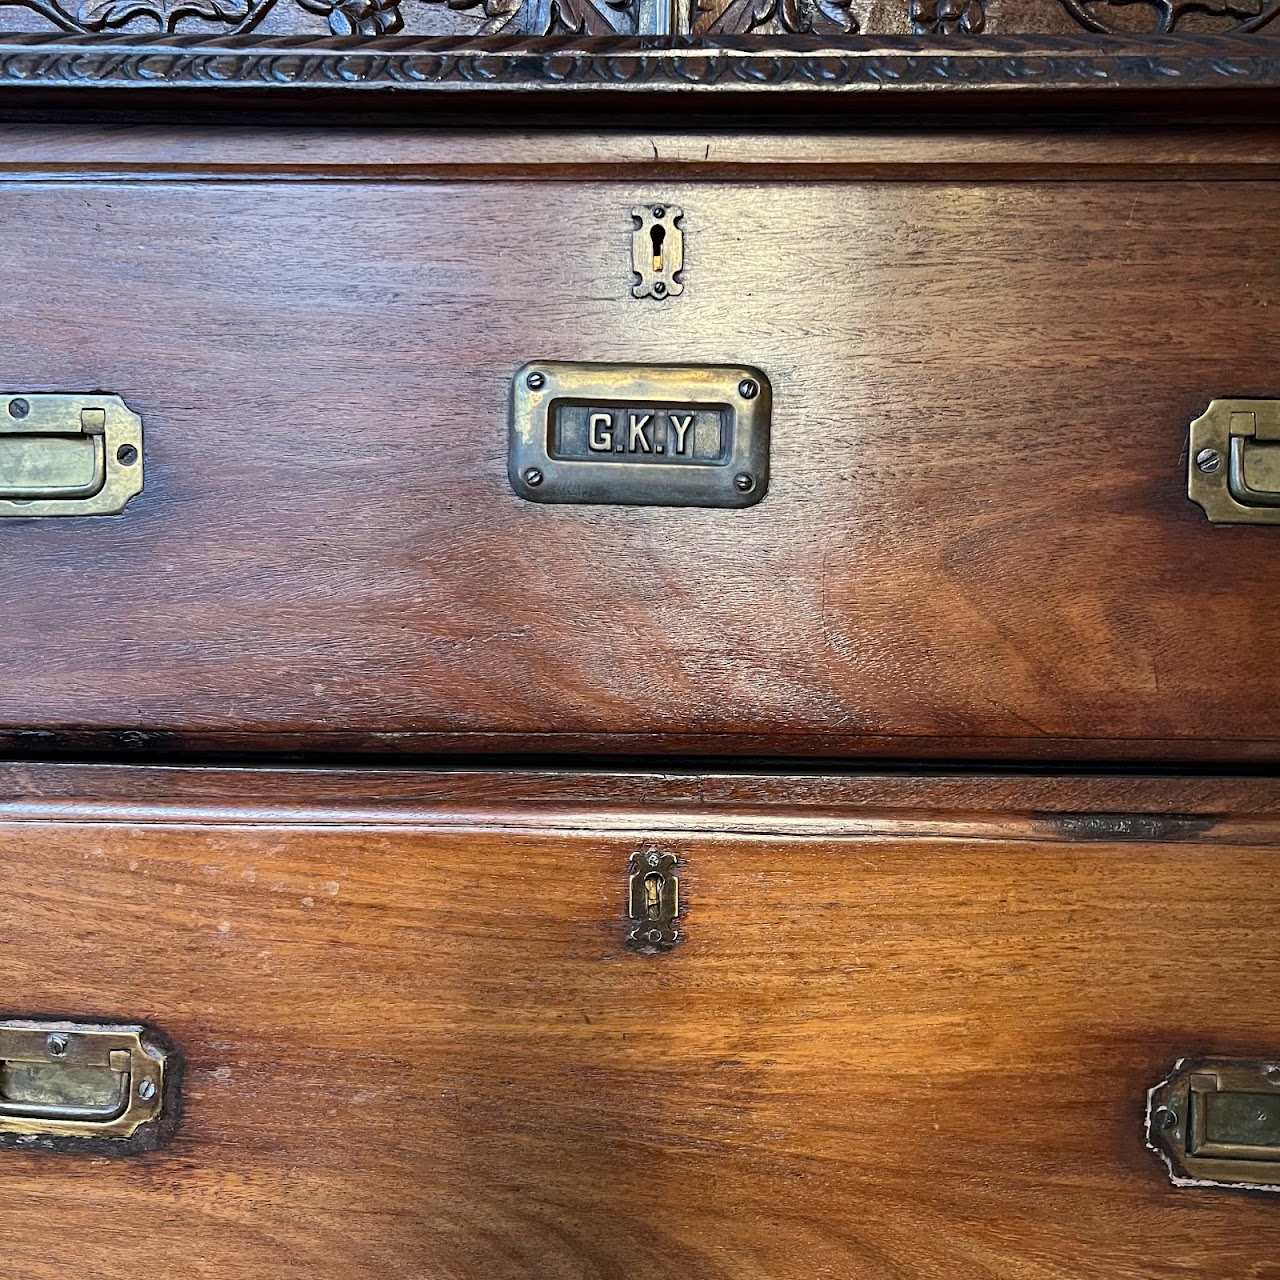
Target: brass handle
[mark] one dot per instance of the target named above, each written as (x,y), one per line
(76,1080)
(1253,473)
(68,455)
(1217,1120)
(1234,464)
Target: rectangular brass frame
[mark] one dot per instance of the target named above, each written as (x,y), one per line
(740,478)
(1176,1124)
(50,421)
(1215,463)
(127,1050)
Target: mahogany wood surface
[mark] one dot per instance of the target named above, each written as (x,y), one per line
(417,1048)
(977,540)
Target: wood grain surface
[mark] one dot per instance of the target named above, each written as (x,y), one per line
(977,540)
(416,1047)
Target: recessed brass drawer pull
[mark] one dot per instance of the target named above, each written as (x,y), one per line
(1234,466)
(1217,1121)
(74,1080)
(68,455)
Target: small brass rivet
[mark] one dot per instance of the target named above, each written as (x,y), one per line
(1208,460)
(57,1045)
(19,408)
(1164,1118)
(536,381)
(533,477)
(743,482)
(147,1090)
(748,389)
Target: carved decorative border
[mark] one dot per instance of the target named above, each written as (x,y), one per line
(639,64)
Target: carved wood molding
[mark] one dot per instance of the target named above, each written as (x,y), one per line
(371,19)
(744,64)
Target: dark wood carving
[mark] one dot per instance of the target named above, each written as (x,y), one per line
(961,18)
(1163,16)
(372,19)
(948,17)
(798,17)
(225,19)
(787,63)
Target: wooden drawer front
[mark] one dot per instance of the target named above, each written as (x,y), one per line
(909,1031)
(977,539)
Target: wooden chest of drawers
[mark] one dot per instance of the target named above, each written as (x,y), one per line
(859,861)
(909,1031)
(976,541)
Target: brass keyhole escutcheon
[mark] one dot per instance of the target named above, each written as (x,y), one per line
(653,901)
(657,251)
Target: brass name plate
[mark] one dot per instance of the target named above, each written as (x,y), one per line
(643,435)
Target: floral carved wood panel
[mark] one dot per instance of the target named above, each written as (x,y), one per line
(369,18)
(976,17)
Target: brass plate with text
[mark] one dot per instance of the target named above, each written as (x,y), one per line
(643,435)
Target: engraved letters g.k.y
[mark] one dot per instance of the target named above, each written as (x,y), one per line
(658,431)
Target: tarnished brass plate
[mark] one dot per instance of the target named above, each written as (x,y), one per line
(645,435)
(1233,465)
(83,1081)
(1216,1122)
(68,455)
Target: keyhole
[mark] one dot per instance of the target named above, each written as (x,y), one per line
(657,234)
(653,896)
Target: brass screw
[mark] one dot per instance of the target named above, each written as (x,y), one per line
(659,211)
(19,408)
(748,389)
(533,477)
(57,1045)
(147,1090)
(1164,1118)
(1272,1072)
(1208,460)
(743,482)
(536,381)
(659,289)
